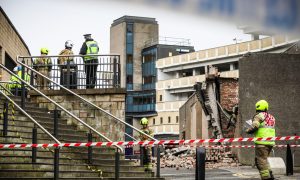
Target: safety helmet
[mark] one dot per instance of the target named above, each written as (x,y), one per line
(262,105)
(144,121)
(44,51)
(17,68)
(69,44)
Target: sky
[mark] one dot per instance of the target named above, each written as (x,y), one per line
(49,23)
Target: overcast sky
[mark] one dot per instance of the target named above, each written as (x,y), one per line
(49,23)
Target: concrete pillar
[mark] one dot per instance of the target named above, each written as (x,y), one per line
(194,72)
(254,37)
(177,74)
(231,67)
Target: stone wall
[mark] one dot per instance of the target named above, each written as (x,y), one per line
(11,43)
(275,78)
(111,100)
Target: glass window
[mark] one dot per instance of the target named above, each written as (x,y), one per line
(129,48)
(169,119)
(160,97)
(129,79)
(177,119)
(161,120)
(129,58)
(153,121)
(9,62)
(129,28)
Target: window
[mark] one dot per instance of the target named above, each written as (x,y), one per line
(169,119)
(177,119)
(9,62)
(129,58)
(129,79)
(161,120)
(160,97)
(153,121)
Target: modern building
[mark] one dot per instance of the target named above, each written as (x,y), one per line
(11,45)
(177,75)
(137,40)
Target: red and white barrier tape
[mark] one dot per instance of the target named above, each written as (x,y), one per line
(158,142)
(229,146)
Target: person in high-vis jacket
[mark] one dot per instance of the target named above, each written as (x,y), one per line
(43,65)
(263,125)
(146,150)
(88,49)
(15,84)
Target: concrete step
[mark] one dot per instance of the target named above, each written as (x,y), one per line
(47,173)
(43,166)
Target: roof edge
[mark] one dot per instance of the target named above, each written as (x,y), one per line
(14,28)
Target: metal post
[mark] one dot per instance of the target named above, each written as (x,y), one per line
(34,141)
(5,118)
(117,164)
(55,124)
(200,163)
(90,148)
(115,71)
(68,74)
(158,162)
(23,87)
(289,161)
(142,156)
(56,164)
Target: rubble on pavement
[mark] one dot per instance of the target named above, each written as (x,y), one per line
(185,157)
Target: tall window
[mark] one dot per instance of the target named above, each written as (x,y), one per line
(177,119)
(161,120)
(160,97)
(169,119)
(153,121)
(129,56)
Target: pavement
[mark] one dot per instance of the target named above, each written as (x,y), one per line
(242,172)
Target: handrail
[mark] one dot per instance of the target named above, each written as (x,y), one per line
(7,90)
(88,102)
(68,112)
(31,118)
(49,56)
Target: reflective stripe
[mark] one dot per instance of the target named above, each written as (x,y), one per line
(16,83)
(92,48)
(266,129)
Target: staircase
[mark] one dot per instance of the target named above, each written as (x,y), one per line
(73,161)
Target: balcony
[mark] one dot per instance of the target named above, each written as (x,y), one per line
(185,83)
(228,51)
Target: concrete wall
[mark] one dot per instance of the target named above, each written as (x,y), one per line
(118,46)
(141,33)
(191,120)
(112,100)
(275,78)
(10,42)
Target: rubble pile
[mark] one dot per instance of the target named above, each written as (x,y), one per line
(185,157)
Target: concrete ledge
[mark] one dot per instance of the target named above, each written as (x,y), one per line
(277,165)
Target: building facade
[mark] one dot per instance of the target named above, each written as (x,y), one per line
(11,45)
(177,75)
(137,40)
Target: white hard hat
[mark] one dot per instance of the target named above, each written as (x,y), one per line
(69,44)
(17,68)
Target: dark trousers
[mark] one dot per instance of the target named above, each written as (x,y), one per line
(90,71)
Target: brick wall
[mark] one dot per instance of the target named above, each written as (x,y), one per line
(228,99)
(111,100)
(10,42)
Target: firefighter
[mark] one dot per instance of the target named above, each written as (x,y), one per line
(67,76)
(90,47)
(43,65)
(146,150)
(263,125)
(15,84)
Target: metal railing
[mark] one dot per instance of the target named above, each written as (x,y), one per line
(102,111)
(74,72)
(55,103)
